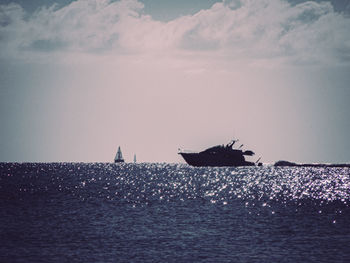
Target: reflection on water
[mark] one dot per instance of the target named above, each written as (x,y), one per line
(103,212)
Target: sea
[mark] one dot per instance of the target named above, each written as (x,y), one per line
(160,212)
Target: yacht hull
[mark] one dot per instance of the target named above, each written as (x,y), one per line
(207,159)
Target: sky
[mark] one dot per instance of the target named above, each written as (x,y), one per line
(80,78)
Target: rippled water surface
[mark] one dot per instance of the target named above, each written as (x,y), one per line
(98,212)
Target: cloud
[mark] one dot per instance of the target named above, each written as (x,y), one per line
(309,32)
(83,26)
(267,29)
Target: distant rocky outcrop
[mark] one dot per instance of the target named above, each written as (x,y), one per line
(287,163)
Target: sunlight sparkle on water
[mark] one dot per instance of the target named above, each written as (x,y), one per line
(141,184)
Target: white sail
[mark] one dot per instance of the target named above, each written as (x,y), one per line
(119,156)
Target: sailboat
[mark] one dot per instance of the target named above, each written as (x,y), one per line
(134,158)
(119,156)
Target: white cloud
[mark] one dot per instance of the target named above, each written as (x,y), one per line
(156,85)
(256,30)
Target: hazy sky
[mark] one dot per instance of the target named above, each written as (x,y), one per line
(79,78)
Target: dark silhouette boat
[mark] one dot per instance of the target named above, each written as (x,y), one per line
(220,155)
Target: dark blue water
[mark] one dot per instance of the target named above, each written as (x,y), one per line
(66,212)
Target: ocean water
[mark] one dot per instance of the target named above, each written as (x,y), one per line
(98,212)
